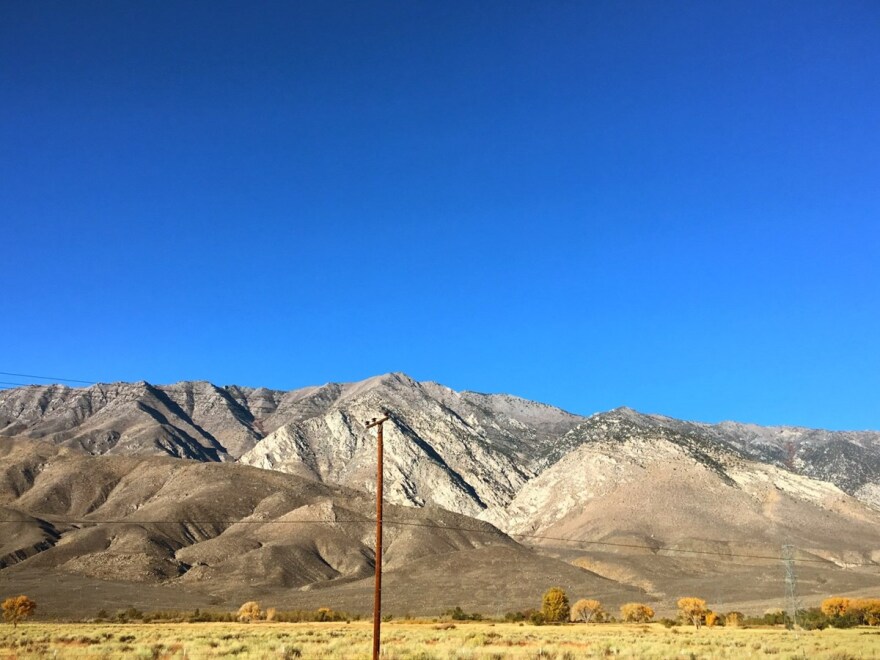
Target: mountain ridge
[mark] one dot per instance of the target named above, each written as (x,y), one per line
(203,421)
(621,494)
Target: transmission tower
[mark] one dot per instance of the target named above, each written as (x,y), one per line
(792,603)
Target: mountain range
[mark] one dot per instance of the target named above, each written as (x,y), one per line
(274,497)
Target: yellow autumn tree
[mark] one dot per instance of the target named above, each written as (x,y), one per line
(17,608)
(835,606)
(250,611)
(713,619)
(636,613)
(587,610)
(869,609)
(693,610)
(554,605)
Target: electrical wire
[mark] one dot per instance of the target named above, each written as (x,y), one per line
(52,378)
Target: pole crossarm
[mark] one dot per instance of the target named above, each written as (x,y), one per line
(376,422)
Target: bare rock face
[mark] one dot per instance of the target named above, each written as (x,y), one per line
(848,459)
(465,452)
(461,451)
(633,480)
(115,418)
(477,454)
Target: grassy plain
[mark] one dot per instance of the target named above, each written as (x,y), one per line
(408,640)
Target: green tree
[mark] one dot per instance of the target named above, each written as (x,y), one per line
(554,606)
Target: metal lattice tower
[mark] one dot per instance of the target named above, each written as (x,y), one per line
(792,603)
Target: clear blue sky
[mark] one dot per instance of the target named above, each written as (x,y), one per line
(673,206)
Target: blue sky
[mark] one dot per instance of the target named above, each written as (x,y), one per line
(671,206)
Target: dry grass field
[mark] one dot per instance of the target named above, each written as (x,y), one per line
(465,641)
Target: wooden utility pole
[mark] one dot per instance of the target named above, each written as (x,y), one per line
(377,594)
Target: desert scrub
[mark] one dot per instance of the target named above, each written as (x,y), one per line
(411,641)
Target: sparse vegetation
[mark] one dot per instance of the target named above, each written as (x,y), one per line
(409,640)
(734,619)
(458,614)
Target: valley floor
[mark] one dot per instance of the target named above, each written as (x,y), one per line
(410,640)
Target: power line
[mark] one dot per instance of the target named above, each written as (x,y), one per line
(52,378)
(452,528)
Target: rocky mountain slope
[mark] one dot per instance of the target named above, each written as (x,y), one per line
(216,534)
(463,451)
(629,480)
(848,459)
(647,502)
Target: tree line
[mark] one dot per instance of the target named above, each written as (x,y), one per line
(836,611)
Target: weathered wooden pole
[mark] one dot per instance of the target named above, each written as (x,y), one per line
(377,592)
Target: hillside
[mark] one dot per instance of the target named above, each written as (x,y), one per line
(213,533)
(646,504)
(461,450)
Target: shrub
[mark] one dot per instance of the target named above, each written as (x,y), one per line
(458,614)
(130,614)
(812,619)
(321,614)
(848,620)
(734,619)
(772,617)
